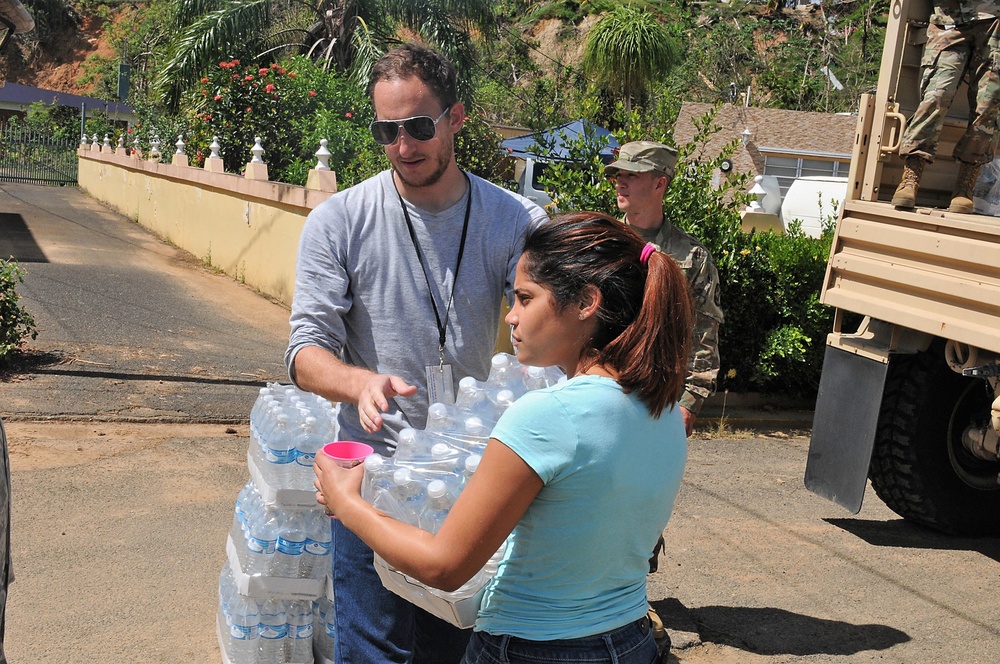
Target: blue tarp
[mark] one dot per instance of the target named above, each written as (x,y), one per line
(550,144)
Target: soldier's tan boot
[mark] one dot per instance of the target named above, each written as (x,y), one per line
(961,201)
(906,192)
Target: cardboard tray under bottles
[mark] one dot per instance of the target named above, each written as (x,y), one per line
(461,613)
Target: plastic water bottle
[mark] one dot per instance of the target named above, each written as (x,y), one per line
(316,553)
(300,631)
(291,542)
(537,378)
(504,399)
(262,541)
(475,427)
(244,634)
(409,494)
(469,467)
(273,630)
(324,635)
(310,439)
(279,452)
(227,592)
(378,477)
(439,418)
(444,458)
(439,502)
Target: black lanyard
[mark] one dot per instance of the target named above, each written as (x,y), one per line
(442,325)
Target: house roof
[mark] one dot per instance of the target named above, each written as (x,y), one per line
(551,143)
(15,95)
(772,131)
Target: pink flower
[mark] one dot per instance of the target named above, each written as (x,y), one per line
(269,87)
(291,74)
(248,77)
(348,115)
(312,93)
(249,109)
(204,80)
(262,71)
(218,97)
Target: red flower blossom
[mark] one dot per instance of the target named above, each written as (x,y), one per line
(249,109)
(204,80)
(218,97)
(129,131)
(291,74)
(262,71)
(282,70)
(248,77)
(348,115)
(235,63)
(269,87)
(204,92)
(312,93)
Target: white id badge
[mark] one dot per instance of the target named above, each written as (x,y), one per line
(440,386)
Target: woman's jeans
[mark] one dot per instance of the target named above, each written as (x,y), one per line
(375,626)
(631,644)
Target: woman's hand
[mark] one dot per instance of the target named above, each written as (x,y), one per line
(336,487)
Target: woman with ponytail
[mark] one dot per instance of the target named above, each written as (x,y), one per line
(584,473)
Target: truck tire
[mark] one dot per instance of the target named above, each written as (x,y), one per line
(919,467)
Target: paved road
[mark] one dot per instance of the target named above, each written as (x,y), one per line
(137,330)
(120,520)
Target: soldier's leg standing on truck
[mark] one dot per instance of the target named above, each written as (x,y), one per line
(975,148)
(950,53)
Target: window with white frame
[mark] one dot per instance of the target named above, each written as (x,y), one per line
(786,169)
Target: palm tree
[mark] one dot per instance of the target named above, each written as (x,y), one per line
(627,50)
(346,35)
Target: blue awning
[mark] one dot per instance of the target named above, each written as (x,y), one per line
(550,144)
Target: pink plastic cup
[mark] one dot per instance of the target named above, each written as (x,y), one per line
(348,453)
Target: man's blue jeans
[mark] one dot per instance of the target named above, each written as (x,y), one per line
(631,644)
(375,626)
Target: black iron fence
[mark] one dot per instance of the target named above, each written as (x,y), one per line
(36,157)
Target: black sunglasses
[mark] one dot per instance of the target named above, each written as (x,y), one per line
(420,128)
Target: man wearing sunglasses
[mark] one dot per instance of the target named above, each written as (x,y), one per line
(399,284)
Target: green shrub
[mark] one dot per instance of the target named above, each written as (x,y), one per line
(16,324)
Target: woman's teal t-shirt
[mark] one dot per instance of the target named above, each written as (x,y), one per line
(577,561)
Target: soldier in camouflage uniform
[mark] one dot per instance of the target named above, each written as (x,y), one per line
(642,175)
(963,37)
(643,172)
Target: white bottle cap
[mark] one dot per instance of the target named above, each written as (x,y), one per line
(536,372)
(436,488)
(474,426)
(472,463)
(407,436)
(374,463)
(505,398)
(401,476)
(500,360)
(439,450)
(437,411)
(467,384)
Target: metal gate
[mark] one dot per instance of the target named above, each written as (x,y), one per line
(36,157)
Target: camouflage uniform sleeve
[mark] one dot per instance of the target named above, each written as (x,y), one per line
(703,366)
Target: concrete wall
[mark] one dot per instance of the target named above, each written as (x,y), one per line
(248,228)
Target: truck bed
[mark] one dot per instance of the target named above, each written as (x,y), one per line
(927,270)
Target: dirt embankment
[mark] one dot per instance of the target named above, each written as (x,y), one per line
(59,62)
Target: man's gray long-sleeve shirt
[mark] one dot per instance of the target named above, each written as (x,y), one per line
(360,291)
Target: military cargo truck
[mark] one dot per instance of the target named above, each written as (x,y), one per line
(909,397)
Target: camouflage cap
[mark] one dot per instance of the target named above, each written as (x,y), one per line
(643,157)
